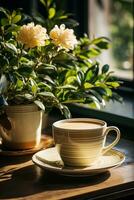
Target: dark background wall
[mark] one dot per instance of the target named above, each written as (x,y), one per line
(78,8)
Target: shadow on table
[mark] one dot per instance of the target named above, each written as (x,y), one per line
(12,160)
(32,180)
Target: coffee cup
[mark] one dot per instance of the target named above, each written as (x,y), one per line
(81,141)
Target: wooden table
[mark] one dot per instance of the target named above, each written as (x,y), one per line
(21,179)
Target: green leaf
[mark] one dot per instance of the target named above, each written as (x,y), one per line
(70,87)
(63,56)
(82,57)
(46,68)
(92,98)
(11,47)
(109,91)
(3,84)
(13,13)
(95,105)
(70,80)
(113,84)
(48,65)
(88,75)
(99,84)
(96,94)
(40,104)
(71,23)
(66,111)
(49,80)
(63,17)
(19,83)
(25,71)
(105,69)
(16,19)
(4,21)
(99,39)
(49,2)
(44,85)
(3,10)
(43,2)
(28,96)
(70,73)
(34,87)
(94,52)
(13,61)
(51,13)
(13,28)
(103,45)
(80,77)
(46,94)
(91,74)
(88,85)
(3,61)
(100,90)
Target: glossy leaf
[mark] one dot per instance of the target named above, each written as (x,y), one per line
(49,80)
(70,87)
(43,2)
(19,83)
(3,10)
(16,19)
(66,111)
(3,84)
(28,96)
(88,85)
(96,94)
(46,94)
(25,71)
(4,21)
(51,13)
(11,47)
(40,104)
(34,87)
(113,84)
(105,68)
(64,56)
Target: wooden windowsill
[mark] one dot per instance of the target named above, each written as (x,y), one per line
(21,179)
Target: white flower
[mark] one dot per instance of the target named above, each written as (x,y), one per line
(63,37)
(32,35)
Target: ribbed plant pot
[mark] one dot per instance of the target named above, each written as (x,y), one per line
(25,127)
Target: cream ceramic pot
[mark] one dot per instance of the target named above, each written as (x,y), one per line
(26,123)
(81,141)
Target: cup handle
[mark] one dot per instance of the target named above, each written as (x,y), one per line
(110,146)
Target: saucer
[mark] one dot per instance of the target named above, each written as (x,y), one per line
(46,141)
(49,159)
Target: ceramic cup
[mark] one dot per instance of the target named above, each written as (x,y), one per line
(25,131)
(81,141)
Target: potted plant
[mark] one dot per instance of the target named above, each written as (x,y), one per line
(40,70)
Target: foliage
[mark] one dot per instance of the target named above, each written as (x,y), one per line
(52,15)
(122,31)
(49,75)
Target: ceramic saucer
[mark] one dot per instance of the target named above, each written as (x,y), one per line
(46,141)
(49,159)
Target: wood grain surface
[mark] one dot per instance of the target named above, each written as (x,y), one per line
(20,179)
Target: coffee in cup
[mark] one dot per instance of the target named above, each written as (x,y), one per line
(81,141)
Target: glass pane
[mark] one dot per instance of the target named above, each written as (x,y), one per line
(114,19)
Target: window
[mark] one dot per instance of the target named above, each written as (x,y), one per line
(114,19)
